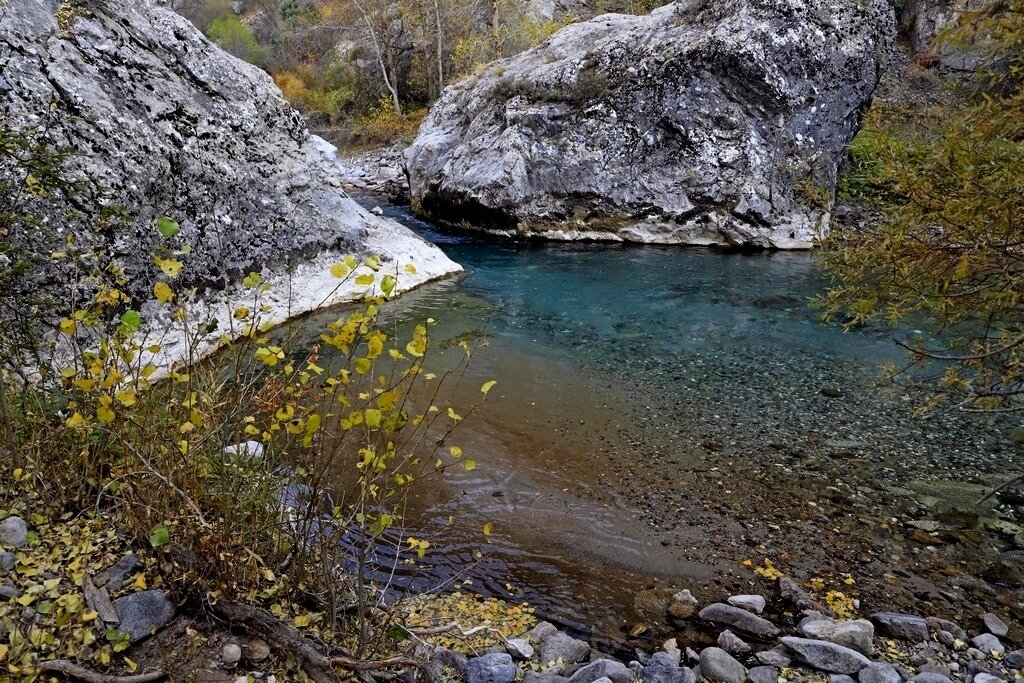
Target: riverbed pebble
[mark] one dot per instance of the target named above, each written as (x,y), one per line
(609,669)
(751,603)
(732,643)
(718,666)
(994,624)
(901,626)
(826,656)
(563,647)
(857,634)
(741,620)
(879,672)
(988,643)
(496,667)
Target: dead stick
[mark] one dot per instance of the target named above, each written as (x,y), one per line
(72,670)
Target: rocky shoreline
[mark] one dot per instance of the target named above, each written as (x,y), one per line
(804,642)
(785,636)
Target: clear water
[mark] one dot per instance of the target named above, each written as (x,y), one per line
(626,377)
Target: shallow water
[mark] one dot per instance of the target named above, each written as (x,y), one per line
(649,403)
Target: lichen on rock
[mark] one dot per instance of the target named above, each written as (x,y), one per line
(701,123)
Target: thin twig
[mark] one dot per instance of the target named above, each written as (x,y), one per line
(71,670)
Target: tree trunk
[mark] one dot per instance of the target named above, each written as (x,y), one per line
(378,52)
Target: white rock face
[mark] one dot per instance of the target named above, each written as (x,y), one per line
(701,123)
(165,123)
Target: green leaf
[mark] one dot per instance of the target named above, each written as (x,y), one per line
(387,284)
(252,280)
(399,633)
(114,636)
(131,320)
(159,536)
(168,227)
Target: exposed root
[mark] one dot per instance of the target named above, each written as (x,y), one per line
(71,670)
(319,666)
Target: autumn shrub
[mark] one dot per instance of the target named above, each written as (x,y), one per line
(946,254)
(235,36)
(248,471)
(382,125)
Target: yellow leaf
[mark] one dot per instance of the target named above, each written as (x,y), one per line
(163,292)
(301,620)
(487,386)
(140,582)
(488,528)
(170,266)
(456,452)
(75,420)
(365,279)
(126,397)
(68,326)
(339,270)
(410,268)
(105,414)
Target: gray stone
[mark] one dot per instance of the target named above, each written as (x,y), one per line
(664,668)
(519,648)
(617,672)
(549,676)
(994,624)
(1014,659)
(901,626)
(541,631)
(923,20)
(142,614)
(718,666)
(114,576)
(936,624)
(8,592)
(496,667)
(751,603)
(930,678)
(741,620)
(983,677)
(7,559)
(170,124)
(230,654)
(564,648)
(840,678)
(763,674)
(857,634)
(933,667)
(669,127)
(774,657)
(732,643)
(826,656)
(13,530)
(671,648)
(988,643)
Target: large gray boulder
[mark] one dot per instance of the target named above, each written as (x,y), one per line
(164,123)
(701,123)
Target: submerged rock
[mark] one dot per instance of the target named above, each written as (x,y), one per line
(700,123)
